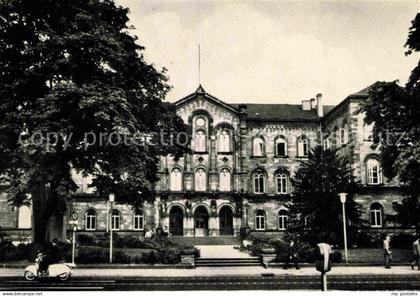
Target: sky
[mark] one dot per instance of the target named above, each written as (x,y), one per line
(275,51)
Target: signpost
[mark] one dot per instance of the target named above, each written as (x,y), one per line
(73,222)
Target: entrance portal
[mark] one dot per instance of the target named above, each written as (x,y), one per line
(201,221)
(226,221)
(176,221)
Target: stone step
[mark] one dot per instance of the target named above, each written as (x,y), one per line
(207,240)
(252,261)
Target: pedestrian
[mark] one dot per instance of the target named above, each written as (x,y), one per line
(387,251)
(416,251)
(292,255)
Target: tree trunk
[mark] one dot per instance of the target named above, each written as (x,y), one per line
(40,215)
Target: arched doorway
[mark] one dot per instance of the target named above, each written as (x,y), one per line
(226,221)
(201,221)
(176,221)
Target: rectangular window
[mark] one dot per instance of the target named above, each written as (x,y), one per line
(281,149)
(260,223)
(90,223)
(376,218)
(115,222)
(282,222)
(259,185)
(138,222)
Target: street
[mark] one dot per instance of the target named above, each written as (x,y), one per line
(257,282)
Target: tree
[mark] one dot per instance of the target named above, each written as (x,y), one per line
(316,209)
(395,111)
(76,93)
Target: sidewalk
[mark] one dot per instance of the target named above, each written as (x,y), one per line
(225,271)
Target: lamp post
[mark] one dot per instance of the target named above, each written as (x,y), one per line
(343,197)
(111,201)
(246,205)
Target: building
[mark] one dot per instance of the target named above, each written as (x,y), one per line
(238,175)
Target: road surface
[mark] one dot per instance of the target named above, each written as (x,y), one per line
(256,282)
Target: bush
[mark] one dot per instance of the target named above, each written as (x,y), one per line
(9,252)
(164,251)
(89,255)
(86,239)
(402,241)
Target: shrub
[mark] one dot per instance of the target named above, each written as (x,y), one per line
(86,239)
(402,241)
(9,252)
(90,255)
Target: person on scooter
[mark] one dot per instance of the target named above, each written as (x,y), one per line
(52,256)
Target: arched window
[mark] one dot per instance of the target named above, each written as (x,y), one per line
(281,146)
(25,217)
(115,220)
(281,183)
(374,171)
(200,141)
(176,180)
(376,212)
(90,219)
(200,180)
(302,147)
(224,141)
(225,180)
(344,135)
(258,147)
(138,220)
(283,216)
(259,182)
(260,220)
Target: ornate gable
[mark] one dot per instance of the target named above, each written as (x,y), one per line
(219,111)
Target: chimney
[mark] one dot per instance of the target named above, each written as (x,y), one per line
(313,105)
(306,105)
(319,107)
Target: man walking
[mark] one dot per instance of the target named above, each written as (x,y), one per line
(416,251)
(292,255)
(387,251)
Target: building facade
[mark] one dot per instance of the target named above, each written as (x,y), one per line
(238,174)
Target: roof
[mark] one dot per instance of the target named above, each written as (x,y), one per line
(281,112)
(364,92)
(275,112)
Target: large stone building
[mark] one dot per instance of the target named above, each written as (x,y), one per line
(239,172)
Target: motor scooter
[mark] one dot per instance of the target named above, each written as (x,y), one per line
(62,271)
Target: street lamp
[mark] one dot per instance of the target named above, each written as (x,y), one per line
(111,201)
(343,197)
(246,205)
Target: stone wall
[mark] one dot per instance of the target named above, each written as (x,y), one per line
(8,213)
(81,205)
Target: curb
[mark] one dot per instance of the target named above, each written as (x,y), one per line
(111,266)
